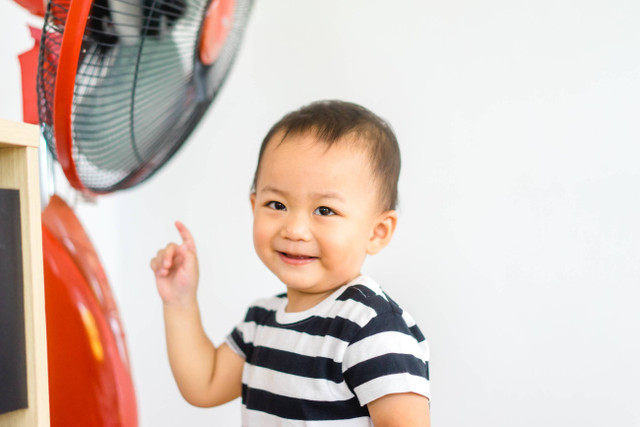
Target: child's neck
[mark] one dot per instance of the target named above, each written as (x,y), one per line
(301,301)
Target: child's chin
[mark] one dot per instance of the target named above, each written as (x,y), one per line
(298,282)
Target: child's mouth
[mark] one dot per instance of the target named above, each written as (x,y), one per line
(296,259)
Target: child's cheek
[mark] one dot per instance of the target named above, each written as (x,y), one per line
(260,235)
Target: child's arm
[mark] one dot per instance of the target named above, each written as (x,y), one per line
(402,409)
(206,376)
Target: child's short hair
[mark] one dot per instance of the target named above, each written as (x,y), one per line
(332,121)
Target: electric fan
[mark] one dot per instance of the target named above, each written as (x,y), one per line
(122,83)
(89,381)
(120,86)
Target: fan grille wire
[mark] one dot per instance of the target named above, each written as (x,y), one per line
(139,87)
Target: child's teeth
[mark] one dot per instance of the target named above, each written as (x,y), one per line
(298,256)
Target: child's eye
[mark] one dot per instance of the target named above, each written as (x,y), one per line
(277,206)
(324,211)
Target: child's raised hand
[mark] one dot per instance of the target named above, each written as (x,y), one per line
(176,270)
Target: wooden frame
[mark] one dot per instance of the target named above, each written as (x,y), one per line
(19,170)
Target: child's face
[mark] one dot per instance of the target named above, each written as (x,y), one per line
(316,213)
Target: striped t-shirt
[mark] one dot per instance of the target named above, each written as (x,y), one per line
(320,367)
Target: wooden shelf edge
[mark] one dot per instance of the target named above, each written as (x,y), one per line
(17,134)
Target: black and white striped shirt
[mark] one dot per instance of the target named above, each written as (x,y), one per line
(322,366)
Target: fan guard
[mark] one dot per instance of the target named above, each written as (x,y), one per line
(122,83)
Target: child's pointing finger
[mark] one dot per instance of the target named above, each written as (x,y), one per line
(187,238)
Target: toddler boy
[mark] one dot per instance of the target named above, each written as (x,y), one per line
(334,350)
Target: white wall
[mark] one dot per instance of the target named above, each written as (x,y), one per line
(518,249)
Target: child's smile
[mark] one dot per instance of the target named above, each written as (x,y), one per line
(294,259)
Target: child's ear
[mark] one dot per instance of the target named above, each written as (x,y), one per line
(252,198)
(382,231)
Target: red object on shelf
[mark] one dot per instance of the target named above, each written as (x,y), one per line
(37,7)
(89,378)
(66,227)
(29,72)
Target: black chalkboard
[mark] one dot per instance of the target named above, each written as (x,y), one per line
(13,366)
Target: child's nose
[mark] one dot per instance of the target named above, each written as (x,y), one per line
(296,227)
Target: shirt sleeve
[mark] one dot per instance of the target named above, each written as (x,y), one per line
(240,339)
(387,356)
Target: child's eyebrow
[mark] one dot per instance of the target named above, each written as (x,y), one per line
(271,189)
(328,195)
(319,195)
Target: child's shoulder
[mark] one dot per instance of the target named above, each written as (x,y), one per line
(368,292)
(363,300)
(365,303)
